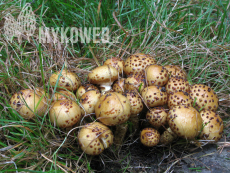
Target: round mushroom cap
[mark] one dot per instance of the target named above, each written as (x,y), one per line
(116,63)
(204,97)
(65,113)
(68,80)
(156,75)
(63,95)
(94,138)
(29,102)
(185,122)
(135,82)
(154,96)
(157,117)
(167,137)
(136,64)
(150,137)
(119,86)
(84,88)
(179,98)
(112,109)
(135,102)
(174,71)
(103,75)
(89,100)
(213,126)
(177,84)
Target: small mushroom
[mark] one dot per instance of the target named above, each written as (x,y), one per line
(150,137)
(119,86)
(135,82)
(63,95)
(167,137)
(174,71)
(116,63)
(157,117)
(28,103)
(179,98)
(68,80)
(177,84)
(185,122)
(136,63)
(104,76)
(212,126)
(84,88)
(204,97)
(94,138)
(156,75)
(154,96)
(65,113)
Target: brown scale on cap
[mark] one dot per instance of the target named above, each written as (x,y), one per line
(28,103)
(179,98)
(156,75)
(150,137)
(154,96)
(135,102)
(135,83)
(204,96)
(112,109)
(157,117)
(116,63)
(185,122)
(68,80)
(213,126)
(174,71)
(94,138)
(177,84)
(119,85)
(136,64)
(65,113)
(84,88)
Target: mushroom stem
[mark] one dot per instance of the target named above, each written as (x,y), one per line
(134,119)
(105,87)
(120,133)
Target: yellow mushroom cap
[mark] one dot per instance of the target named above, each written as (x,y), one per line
(150,137)
(116,63)
(119,85)
(156,75)
(157,117)
(63,95)
(84,88)
(29,102)
(179,98)
(174,71)
(135,82)
(177,84)
(94,137)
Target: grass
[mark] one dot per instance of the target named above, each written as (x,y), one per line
(193,34)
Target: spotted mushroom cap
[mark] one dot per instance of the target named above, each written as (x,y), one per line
(167,137)
(157,116)
(204,97)
(84,88)
(174,71)
(68,80)
(135,83)
(213,126)
(136,64)
(185,122)
(29,102)
(65,113)
(156,75)
(179,98)
(119,85)
(63,95)
(154,96)
(116,63)
(112,109)
(94,138)
(150,137)
(177,84)
(89,100)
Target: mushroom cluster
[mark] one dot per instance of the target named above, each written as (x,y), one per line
(136,94)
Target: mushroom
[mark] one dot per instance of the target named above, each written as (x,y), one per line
(112,109)
(174,71)
(185,122)
(104,76)
(135,82)
(94,138)
(212,126)
(29,103)
(177,84)
(116,63)
(179,98)
(63,95)
(167,137)
(157,117)
(156,75)
(136,64)
(84,88)
(150,137)
(154,96)
(68,80)
(65,113)
(119,85)
(204,97)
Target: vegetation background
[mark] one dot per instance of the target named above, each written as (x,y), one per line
(193,34)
